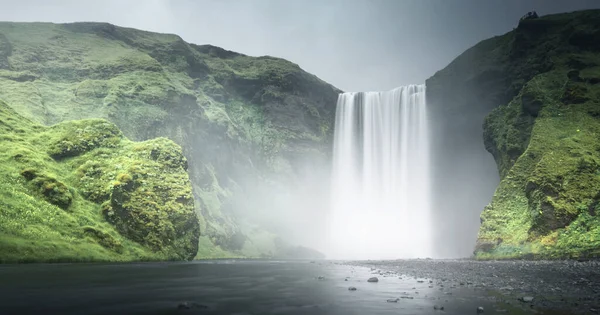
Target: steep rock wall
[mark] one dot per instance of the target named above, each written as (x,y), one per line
(246,124)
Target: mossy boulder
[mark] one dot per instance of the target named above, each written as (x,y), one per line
(82,136)
(54,191)
(101,197)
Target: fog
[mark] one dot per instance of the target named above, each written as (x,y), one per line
(355,46)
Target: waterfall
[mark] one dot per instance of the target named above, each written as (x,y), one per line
(380,184)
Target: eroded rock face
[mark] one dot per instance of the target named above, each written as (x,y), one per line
(541,208)
(242,122)
(534,86)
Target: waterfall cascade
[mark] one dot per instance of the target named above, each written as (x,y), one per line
(380,184)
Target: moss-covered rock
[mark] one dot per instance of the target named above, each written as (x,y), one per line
(536,91)
(545,142)
(80,191)
(54,191)
(237,118)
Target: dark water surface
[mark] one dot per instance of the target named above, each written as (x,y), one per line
(225,287)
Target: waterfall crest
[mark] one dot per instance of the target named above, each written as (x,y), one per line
(380,183)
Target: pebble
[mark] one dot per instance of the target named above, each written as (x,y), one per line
(438,308)
(573,285)
(527,299)
(480,310)
(393,300)
(188,306)
(373,279)
(352,289)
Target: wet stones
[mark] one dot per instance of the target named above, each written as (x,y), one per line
(189,306)
(526,299)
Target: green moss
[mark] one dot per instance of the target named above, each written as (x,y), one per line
(42,176)
(76,138)
(546,203)
(212,102)
(54,191)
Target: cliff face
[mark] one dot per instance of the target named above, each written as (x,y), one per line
(81,191)
(538,86)
(244,123)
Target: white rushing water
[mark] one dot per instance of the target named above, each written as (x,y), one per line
(380,192)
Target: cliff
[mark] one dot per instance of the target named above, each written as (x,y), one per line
(538,87)
(245,124)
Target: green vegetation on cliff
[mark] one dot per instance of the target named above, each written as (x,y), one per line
(544,136)
(80,191)
(240,120)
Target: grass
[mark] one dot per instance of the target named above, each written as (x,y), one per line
(547,201)
(539,86)
(58,184)
(154,85)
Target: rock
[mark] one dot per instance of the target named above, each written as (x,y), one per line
(320,278)
(438,308)
(393,300)
(184,306)
(407,297)
(351,289)
(189,306)
(573,75)
(480,310)
(373,279)
(420,281)
(526,299)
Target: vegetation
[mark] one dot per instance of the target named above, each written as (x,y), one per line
(545,142)
(233,115)
(80,191)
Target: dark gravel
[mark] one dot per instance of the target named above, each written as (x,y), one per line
(557,287)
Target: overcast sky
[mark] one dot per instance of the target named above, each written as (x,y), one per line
(353,44)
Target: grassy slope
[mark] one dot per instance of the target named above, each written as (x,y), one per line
(230,113)
(56,181)
(545,142)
